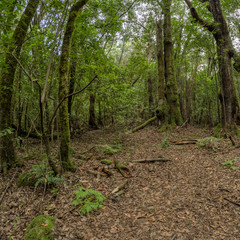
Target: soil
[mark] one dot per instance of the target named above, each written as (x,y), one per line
(193,196)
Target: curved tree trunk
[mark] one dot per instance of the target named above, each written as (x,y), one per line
(175,117)
(7,153)
(225,52)
(67,165)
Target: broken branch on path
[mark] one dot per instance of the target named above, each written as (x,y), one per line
(152,160)
(237,204)
(144,124)
(122,169)
(182,142)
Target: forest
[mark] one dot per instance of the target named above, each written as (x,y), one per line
(119,119)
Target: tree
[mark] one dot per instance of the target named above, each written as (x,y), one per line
(67,165)
(7,152)
(175,117)
(220,32)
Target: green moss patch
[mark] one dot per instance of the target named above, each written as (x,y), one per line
(40,228)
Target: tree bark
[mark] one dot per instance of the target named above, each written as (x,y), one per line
(175,117)
(67,164)
(7,152)
(160,57)
(92,118)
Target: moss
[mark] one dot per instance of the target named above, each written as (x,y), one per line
(26,179)
(40,228)
(232,130)
(106,161)
(218,131)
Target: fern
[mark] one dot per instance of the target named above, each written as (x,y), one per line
(39,171)
(88,199)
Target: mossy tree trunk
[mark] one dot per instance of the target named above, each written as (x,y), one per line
(67,164)
(160,57)
(7,153)
(171,93)
(225,52)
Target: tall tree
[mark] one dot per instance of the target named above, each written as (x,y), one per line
(7,152)
(220,32)
(67,164)
(175,117)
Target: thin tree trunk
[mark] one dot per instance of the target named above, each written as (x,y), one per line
(67,164)
(92,118)
(7,152)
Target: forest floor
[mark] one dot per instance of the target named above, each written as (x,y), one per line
(193,196)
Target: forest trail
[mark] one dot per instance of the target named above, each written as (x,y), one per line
(186,198)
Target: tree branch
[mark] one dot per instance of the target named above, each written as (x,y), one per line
(63,99)
(210,27)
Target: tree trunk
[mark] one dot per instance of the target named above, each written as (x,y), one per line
(160,57)
(71,84)
(67,165)
(92,118)
(220,32)
(7,153)
(175,117)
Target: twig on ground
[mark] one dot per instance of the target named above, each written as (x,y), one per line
(184,141)
(87,150)
(152,160)
(237,204)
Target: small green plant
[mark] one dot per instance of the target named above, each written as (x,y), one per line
(88,199)
(230,164)
(42,176)
(109,149)
(165,143)
(39,176)
(6,131)
(208,142)
(54,191)
(106,161)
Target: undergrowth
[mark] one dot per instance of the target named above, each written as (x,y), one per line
(88,199)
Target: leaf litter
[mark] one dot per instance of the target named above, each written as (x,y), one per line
(180,199)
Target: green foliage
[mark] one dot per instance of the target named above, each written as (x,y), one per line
(106,161)
(208,142)
(88,199)
(109,149)
(230,163)
(165,143)
(40,228)
(6,131)
(38,175)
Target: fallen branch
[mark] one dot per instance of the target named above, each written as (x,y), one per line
(152,160)
(183,142)
(87,150)
(95,174)
(237,204)
(107,172)
(120,187)
(121,168)
(144,124)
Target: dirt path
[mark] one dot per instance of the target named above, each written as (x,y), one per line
(186,198)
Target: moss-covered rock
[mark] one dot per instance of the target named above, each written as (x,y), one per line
(40,228)
(27,179)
